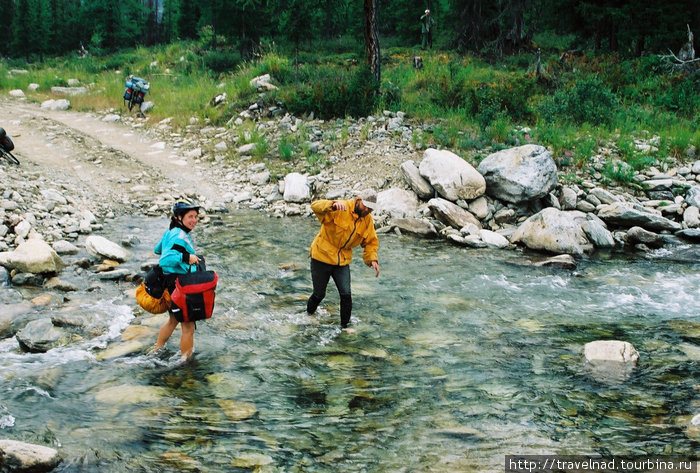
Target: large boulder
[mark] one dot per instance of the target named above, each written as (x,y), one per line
(451,214)
(625,214)
(397,202)
(554,230)
(451,176)
(100,247)
(16,456)
(32,256)
(519,174)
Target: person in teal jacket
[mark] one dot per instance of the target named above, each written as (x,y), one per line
(177,256)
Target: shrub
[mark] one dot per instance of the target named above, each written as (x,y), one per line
(335,94)
(681,96)
(222,61)
(586,101)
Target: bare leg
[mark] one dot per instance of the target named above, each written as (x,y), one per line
(187,340)
(166,331)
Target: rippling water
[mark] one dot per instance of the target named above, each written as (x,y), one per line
(460,358)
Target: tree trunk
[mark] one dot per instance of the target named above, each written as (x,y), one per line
(372,39)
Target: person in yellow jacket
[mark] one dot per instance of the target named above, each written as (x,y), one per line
(345,224)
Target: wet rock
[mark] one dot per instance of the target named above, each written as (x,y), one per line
(18,456)
(419,227)
(610,361)
(610,350)
(637,235)
(130,394)
(251,460)
(559,261)
(237,411)
(40,336)
(555,231)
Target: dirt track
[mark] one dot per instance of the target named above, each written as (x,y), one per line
(105,159)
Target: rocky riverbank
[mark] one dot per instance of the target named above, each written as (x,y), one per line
(513,199)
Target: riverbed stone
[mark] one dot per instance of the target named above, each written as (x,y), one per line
(296,188)
(610,350)
(629,214)
(236,410)
(41,335)
(397,203)
(101,247)
(32,256)
(610,361)
(451,214)
(553,230)
(519,174)
(451,176)
(130,394)
(16,456)
(421,227)
(418,183)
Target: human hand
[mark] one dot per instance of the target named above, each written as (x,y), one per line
(194,259)
(337,205)
(375,266)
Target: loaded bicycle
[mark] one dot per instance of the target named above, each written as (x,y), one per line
(6,147)
(136,89)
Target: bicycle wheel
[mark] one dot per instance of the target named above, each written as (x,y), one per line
(9,156)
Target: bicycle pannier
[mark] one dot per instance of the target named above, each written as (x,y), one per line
(193,297)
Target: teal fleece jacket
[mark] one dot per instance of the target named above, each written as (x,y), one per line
(175,249)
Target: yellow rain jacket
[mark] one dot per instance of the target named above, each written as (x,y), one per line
(340,232)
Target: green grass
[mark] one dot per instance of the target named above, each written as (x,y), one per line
(474,107)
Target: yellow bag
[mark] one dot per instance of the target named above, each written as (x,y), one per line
(150,303)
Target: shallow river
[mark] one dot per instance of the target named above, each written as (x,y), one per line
(460,358)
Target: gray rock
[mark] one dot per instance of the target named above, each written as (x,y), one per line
(40,336)
(421,227)
(32,256)
(689,234)
(451,214)
(567,198)
(100,247)
(519,174)
(18,456)
(628,215)
(296,188)
(603,196)
(418,183)
(397,203)
(637,235)
(692,196)
(600,236)
(610,350)
(554,230)
(451,176)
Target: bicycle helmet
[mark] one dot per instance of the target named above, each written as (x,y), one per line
(181,206)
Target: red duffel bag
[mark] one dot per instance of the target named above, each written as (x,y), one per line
(193,297)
